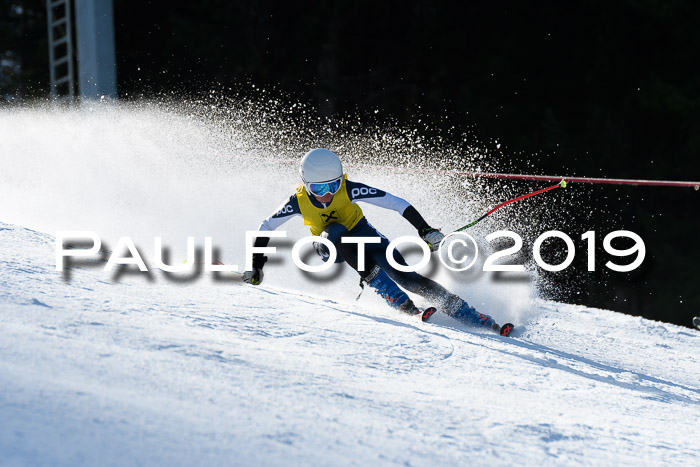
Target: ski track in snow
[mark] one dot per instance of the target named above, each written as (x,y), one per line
(94,371)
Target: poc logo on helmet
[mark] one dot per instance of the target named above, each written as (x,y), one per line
(363,191)
(285,210)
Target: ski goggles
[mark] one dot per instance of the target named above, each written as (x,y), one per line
(320,189)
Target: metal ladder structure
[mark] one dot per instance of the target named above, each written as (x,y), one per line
(61,50)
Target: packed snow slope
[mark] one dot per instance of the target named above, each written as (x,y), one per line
(134,368)
(94,371)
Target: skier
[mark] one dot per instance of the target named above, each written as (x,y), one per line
(696,322)
(327,201)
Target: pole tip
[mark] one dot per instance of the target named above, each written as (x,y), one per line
(562,184)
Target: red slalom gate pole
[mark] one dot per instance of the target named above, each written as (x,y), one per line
(560,184)
(540,178)
(608,181)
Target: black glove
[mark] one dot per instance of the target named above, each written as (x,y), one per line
(255,277)
(432,237)
(322,251)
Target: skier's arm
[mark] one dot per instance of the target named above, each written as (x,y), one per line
(433,237)
(285,212)
(371,195)
(412,215)
(367,194)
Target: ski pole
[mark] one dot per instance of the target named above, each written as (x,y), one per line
(560,184)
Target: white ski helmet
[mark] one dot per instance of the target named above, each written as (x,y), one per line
(320,166)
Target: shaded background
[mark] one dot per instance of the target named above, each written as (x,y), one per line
(569,88)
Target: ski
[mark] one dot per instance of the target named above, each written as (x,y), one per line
(506,329)
(427,313)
